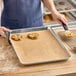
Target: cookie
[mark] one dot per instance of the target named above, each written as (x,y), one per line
(69,35)
(68,8)
(47,19)
(33,36)
(61,3)
(16,37)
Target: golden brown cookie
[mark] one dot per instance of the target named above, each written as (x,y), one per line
(68,8)
(47,19)
(69,35)
(61,3)
(16,37)
(33,36)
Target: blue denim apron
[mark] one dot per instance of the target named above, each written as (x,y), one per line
(21,14)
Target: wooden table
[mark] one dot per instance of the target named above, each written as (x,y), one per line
(48,69)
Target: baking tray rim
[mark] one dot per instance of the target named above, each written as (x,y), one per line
(41,28)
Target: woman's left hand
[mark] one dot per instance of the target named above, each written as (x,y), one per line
(59,18)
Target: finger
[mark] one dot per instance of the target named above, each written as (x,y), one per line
(63,21)
(59,22)
(66,22)
(63,16)
(6,29)
(2,34)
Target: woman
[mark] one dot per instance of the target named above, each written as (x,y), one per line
(26,13)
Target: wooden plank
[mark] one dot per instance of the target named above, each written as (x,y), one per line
(12,65)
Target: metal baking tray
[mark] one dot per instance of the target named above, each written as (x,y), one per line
(71,19)
(38,29)
(73,13)
(68,3)
(74,2)
(68,43)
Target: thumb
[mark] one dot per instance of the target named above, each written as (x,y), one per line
(6,29)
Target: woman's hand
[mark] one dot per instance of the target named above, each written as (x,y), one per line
(2,30)
(56,15)
(59,18)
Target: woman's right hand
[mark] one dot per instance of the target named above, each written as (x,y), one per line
(3,29)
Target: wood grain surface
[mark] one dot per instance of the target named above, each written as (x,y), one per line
(11,66)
